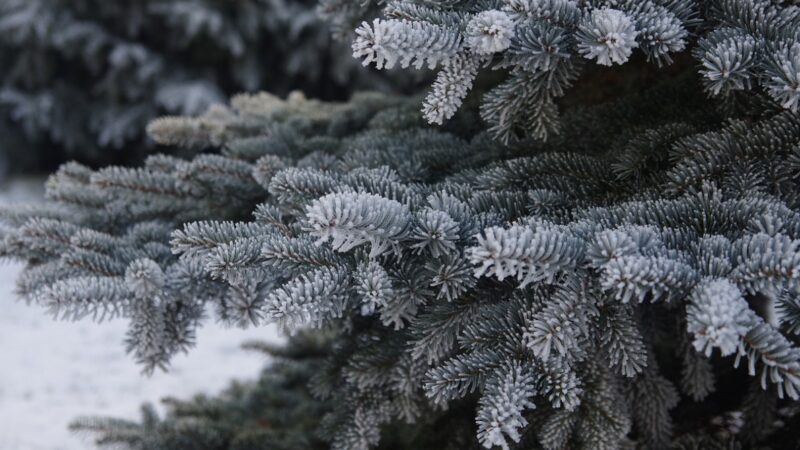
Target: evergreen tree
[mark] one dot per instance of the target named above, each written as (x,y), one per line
(631,282)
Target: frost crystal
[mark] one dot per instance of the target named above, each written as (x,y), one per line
(436,232)
(350,220)
(389,42)
(784,77)
(607,35)
(144,277)
(369,44)
(718,317)
(490,32)
(450,88)
(500,415)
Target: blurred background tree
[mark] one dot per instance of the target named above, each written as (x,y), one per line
(79,79)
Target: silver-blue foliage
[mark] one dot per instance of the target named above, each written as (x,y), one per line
(545,285)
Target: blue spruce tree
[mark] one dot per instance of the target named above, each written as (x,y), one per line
(620,274)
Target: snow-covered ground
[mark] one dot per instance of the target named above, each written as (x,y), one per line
(51,372)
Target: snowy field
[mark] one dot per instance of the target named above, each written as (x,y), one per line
(51,372)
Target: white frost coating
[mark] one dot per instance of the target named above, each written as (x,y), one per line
(452,84)
(505,398)
(144,277)
(309,299)
(389,42)
(435,232)
(521,252)
(490,32)
(784,77)
(718,317)
(635,277)
(350,219)
(608,245)
(374,287)
(547,10)
(607,35)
